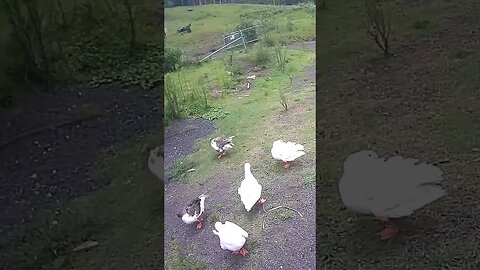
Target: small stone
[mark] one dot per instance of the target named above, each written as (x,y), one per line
(34,176)
(79,94)
(54,171)
(475,149)
(67,137)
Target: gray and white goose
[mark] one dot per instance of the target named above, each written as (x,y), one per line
(221,144)
(193,211)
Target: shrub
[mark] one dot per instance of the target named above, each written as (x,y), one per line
(269,40)
(261,55)
(173,58)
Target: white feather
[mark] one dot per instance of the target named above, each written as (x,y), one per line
(288,151)
(250,190)
(388,188)
(232,237)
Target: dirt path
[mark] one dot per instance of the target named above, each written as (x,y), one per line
(403,104)
(47,168)
(181,136)
(288,241)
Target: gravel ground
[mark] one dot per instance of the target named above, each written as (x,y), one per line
(181,136)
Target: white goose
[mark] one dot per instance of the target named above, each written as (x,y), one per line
(193,211)
(287,151)
(387,189)
(232,237)
(155,162)
(250,190)
(221,144)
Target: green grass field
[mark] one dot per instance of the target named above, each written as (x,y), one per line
(210,22)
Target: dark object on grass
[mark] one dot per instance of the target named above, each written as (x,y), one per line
(185,29)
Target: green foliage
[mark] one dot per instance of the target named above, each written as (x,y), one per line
(185,99)
(283,98)
(290,26)
(213,113)
(261,55)
(249,34)
(172,108)
(85,40)
(269,40)
(281,57)
(173,58)
(235,73)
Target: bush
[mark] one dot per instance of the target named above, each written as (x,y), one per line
(173,58)
(261,55)
(269,40)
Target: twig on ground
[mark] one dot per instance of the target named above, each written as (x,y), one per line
(275,208)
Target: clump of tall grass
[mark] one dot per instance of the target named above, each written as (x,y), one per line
(183,99)
(261,56)
(281,57)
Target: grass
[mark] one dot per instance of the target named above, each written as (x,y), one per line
(182,261)
(255,111)
(421,108)
(210,22)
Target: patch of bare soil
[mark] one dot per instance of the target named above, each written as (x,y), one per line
(371,98)
(49,146)
(181,136)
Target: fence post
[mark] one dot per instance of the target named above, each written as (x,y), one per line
(243,40)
